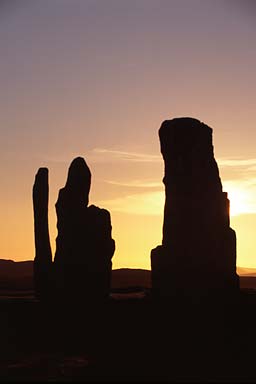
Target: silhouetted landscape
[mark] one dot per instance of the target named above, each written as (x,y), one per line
(128,191)
(128,338)
(191,318)
(18,277)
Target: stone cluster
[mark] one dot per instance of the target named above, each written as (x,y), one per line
(197,256)
(84,246)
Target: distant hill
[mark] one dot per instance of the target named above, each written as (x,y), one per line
(16,267)
(246,271)
(126,277)
(16,274)
(19,275)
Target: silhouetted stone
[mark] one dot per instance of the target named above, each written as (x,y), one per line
(84,247)
(198,252)
(43,254)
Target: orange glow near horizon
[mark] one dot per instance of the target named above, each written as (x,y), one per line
(137,220)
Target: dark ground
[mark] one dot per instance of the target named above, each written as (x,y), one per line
(132,339)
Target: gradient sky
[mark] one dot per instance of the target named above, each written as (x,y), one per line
(95,78)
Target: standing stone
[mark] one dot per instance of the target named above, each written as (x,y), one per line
(198,252)
(84,246)
(43,253)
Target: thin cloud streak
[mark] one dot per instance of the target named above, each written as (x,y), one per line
(151,203)
(224,162)
(106,154)
(127,156)
(136,183)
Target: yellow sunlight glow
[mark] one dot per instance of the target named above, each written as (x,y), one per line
(149,203)
(241,200)
(237,202)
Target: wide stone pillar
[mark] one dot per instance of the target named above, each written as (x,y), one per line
(198,252)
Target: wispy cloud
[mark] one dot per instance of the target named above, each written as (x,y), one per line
(111,154)
(126,156)
(248,163)
(236,162)
(151,203)
(136,183)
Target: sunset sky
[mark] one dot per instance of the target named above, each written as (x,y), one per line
(95,78)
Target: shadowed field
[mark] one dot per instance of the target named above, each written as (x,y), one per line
(128,338)
(134,339)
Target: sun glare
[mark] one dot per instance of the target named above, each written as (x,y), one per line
(237,202)
(240,200)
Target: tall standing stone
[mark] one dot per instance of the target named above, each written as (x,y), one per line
(43,253)
(198,252)
(84,246)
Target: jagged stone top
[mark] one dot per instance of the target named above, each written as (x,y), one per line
(183,135)
(185,125)
(186,146)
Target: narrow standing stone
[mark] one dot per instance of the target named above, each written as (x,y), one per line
(43,253)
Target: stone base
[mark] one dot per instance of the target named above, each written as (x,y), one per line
(184,282)
(75,283)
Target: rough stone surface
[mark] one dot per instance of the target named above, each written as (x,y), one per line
(43,253)
(84,246)
(198,252)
